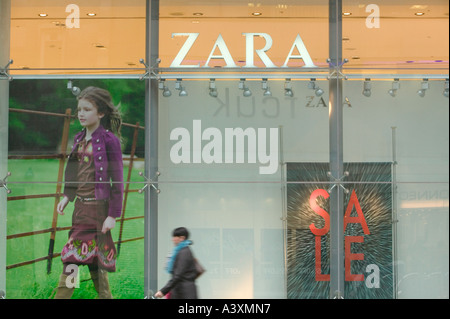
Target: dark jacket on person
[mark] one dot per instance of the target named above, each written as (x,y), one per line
(182,283)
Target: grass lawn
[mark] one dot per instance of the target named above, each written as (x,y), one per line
(33,177)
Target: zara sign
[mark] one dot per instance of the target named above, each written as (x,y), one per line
(225,54)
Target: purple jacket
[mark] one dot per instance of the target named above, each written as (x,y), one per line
(108,163)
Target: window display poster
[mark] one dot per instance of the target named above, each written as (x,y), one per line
(90,245)
(367,230)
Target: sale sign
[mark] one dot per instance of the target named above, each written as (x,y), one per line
(367,231)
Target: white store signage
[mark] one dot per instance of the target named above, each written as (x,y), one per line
(225,54)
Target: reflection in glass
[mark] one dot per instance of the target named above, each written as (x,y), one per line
(85,35)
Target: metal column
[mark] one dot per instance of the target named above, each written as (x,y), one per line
(151,151)
(337,271)
(5,20)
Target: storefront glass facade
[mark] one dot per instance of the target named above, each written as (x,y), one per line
(304,144)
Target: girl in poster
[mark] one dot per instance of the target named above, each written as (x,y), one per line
(94,179)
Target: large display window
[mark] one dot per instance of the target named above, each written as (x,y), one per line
(303,145)
(406,85)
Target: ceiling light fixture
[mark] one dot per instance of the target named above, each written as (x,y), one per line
(419,14)
(423,88)
(165,90)
(266,88)
(181,88)
(313,85)
(256,14)
(243,87)
(395,87)
(75,90)
(367,90)
(212,88)
(446,86)
(288,88)
(43,15)
(91,14)
(346,14)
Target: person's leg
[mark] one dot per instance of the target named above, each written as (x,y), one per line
(66,285)
(100,279)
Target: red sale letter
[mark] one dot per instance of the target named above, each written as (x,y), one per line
(318,270)
(320,211)
(358,219)
(349,257)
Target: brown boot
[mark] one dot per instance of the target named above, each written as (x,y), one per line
(63,291)
(100,279)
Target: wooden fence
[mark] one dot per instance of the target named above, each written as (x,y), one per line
(62,156)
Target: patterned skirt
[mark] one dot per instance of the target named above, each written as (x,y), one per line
(87,245)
